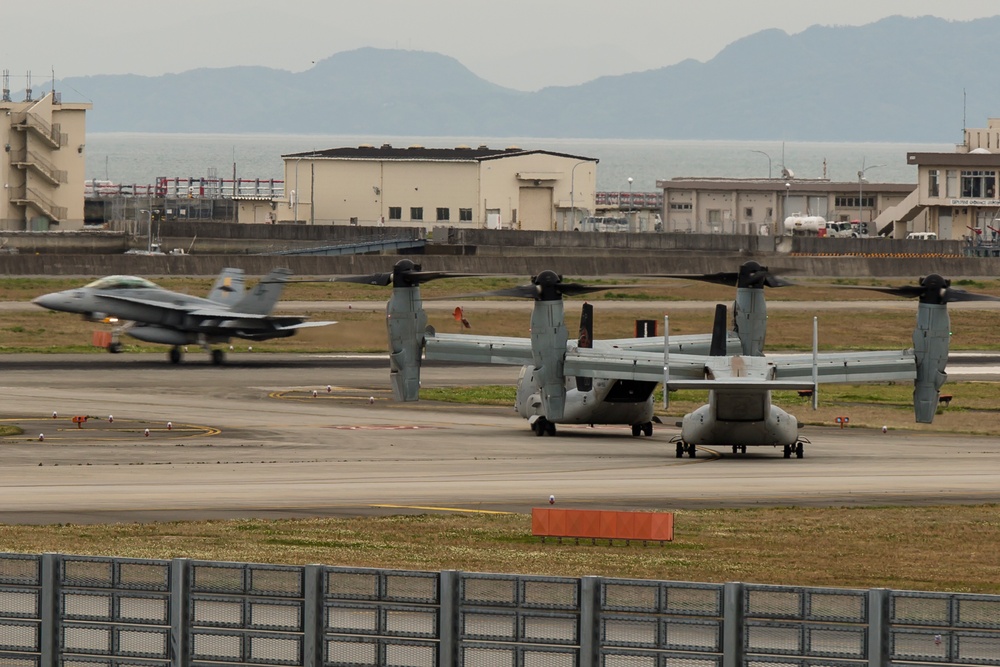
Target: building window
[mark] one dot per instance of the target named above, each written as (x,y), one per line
(933,187)
(416,213)
(770,212)
(951,183)
(715,215)
(978,184)
(443,214)
(748,213)
(868,201)
(680,207)
(465,214)
(395,212)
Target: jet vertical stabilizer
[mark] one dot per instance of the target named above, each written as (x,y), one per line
(265,294)
(228,287)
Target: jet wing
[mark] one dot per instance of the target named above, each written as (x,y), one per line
(689,344)
(847,367)
(479,349)
(631,365)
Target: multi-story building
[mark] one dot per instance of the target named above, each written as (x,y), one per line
(416,186)
(956,192)
(42,169)
(759,206)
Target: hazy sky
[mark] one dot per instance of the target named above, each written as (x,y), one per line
(522,44)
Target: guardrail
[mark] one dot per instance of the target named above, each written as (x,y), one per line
(104,612)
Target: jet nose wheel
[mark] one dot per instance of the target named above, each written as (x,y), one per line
(543,426)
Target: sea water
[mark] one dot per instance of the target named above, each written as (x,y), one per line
(140,158)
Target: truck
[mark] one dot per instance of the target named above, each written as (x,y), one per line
(816,225)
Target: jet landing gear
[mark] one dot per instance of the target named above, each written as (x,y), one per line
(175,355)
(796,449)
(683,447)
(543,426)
(218,357)
(643,429)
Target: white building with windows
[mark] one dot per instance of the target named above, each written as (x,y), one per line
(956,195)
(42,168)
(480,187)
(759,206)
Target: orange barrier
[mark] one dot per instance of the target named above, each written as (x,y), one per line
(101,339)
(602,524)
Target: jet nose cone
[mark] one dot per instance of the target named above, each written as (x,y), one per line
(50,301)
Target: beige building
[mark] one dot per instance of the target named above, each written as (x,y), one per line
(43,165)
(416,186)
(759,206)
(956,192)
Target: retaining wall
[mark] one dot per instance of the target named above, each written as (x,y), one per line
(210,265)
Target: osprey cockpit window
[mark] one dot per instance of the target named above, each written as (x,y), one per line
(122,282)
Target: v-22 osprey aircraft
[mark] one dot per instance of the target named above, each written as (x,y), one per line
(739,413)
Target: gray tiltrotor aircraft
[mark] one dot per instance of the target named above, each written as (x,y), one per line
(546,394)
(157,315)
(731,366)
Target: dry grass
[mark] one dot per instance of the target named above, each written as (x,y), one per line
(362,329)
(926,548)
(923,548)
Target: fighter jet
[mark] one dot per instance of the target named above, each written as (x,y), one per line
(153,314)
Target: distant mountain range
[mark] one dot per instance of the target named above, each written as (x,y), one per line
(899,79)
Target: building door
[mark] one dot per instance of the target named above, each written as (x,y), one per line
(535,206)
(944,224)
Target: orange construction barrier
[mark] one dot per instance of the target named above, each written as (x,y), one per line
(101,339)
(602,524)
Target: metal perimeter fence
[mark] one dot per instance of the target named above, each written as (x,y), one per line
(86,611)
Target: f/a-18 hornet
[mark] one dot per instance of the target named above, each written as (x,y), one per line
(153,314)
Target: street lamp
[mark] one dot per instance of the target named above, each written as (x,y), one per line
(149,229)
(768,161)
(861,187)
(572,192)
(630,201)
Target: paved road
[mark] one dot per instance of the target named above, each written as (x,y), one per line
(250,439)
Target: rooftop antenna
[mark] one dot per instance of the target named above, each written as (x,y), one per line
(27,88)
(53,83)
(6,86)
(965,124)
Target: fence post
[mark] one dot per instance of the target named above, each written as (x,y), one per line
(732,624)
(49,580)
(180,622)
(590,621)
(448,619)
(879,619)
(312,617)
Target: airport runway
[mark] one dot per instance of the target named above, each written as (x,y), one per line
(251,439)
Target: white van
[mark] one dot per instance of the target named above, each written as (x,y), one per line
(921,236)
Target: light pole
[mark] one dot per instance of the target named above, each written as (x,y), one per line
(572,192)
(149,229)
(861,188)
(630,203)
(768,161)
